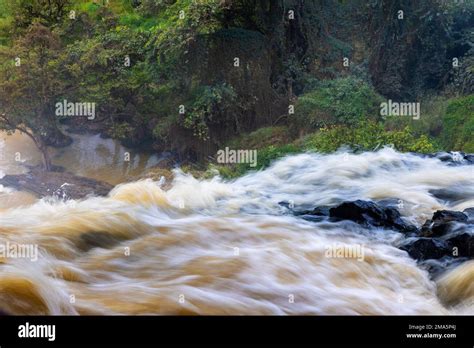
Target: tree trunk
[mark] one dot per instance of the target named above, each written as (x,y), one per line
(41,145)
(46,159)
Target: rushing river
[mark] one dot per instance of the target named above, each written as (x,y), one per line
(228,247)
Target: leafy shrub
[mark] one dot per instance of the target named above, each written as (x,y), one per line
(269,154)
(341,101)
(368,136)
(265,157)
(458,125)
(121,131)
(262,137)
(209,102)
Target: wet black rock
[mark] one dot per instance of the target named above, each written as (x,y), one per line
(447,240)
(470,213)
(318,211)
(285,204)
(443,156)
(437,267)
(371,214)
(314,215)
(427,248)
(454,158)
(442,222)
(464,243)
(313,218)
(469,158)
(457,192)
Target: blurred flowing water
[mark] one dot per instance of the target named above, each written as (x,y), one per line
(227,247)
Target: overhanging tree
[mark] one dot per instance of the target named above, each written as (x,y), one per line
(30,84)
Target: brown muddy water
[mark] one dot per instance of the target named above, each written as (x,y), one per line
(226,247)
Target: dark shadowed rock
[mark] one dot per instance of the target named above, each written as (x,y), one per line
(444,156)
(315,215)
(313,218)
(427,248)
(464,243)
(469,158)
(318,211)
(449,215)
(454,158)
(455,246)
(470,213)
(442,222)
(371,214)
(285,204)
(436,267)
(456,192)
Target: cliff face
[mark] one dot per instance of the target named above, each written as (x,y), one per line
(409,43)
(413,55)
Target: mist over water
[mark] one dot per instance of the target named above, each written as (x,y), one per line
(228,247)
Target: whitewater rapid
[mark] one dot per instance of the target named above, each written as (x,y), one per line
(228,247)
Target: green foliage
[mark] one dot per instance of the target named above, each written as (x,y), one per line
(161,131)
(6,22)
(208,102)
(174,45)
(458,125)
(178,26)
(121,131)
(271,153)
(366,137)
(341,101)
(265,157)
(430,122)
(46,12)
(262,137)
(28,91)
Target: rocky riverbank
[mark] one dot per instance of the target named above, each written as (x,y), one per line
(60,184)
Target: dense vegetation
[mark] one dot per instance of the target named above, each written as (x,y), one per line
(280,76)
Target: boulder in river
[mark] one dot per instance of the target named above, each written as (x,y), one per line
(371,214)
(442,222)
(470,213)
(447,240)
(427,248)
(318,211)
(464,242)
(454,157)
